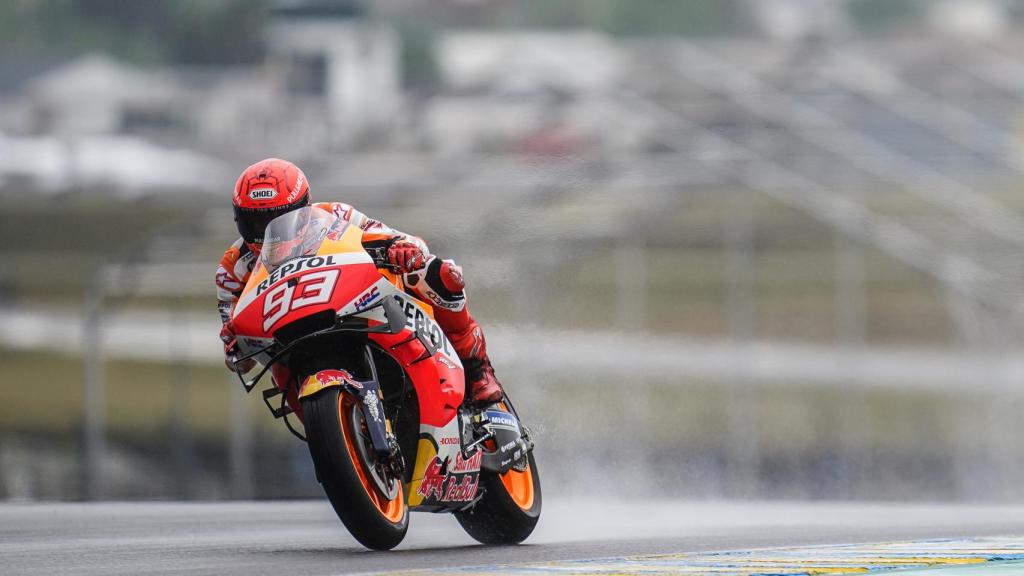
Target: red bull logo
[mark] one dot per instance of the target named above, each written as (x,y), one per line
(433,480)
(325,379)
(462,492)
(457,484)
(330,377)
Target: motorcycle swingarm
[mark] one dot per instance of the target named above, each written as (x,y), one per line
(512,439)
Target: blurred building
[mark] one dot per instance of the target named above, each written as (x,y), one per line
(330,83)
(96,94)
(330,55)
(545,92)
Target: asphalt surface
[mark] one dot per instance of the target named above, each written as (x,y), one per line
(305,538)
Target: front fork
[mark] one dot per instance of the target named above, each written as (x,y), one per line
(367,391)
(382,439)
(371,402)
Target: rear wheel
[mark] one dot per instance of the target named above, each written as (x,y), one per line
(509,509)
(368,500)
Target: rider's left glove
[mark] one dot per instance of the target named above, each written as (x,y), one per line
(227,336)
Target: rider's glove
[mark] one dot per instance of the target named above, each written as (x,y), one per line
(227,336)
(406,256)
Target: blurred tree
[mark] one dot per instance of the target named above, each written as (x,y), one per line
(636,17)
(1016,11)
(571,14)
(141,31)
(232,31)
(880,15)
(672,17)
(226,31)
(419,68)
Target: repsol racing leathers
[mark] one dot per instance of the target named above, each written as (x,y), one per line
(431,279)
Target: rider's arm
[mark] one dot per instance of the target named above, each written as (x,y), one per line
(232,273)
(225,303)
(374,231)
(228,289)
(229,285)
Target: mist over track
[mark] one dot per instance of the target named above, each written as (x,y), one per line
(304,537)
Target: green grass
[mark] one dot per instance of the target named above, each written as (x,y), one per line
(794,291)
(784,418)
(43,392)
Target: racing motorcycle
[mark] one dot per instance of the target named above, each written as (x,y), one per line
(378,390)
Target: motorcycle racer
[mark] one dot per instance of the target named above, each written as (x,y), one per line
(272,187)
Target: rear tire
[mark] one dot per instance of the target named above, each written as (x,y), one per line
(332,418)
(508,511)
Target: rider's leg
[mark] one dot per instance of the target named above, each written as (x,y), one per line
(440,283)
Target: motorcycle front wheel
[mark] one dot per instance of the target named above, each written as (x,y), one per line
(369,503)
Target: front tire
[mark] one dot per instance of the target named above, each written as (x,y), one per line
(509,509)
(345,468)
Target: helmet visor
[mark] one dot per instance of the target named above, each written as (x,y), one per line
(252,222)
(296,234)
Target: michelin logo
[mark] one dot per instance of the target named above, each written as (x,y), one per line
(503,420)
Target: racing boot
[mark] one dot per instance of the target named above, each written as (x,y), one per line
(484,387)
(466,336)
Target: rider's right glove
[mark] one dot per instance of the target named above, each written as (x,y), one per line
(227,336)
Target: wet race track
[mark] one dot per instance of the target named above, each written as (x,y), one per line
(574,536)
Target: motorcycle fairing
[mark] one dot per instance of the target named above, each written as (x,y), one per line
(346,281)
(344,253)
(442,478)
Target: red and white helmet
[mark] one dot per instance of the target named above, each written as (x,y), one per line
(264,191)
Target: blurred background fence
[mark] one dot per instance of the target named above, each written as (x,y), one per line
(720,248)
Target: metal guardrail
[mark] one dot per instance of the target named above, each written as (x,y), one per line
(816,127)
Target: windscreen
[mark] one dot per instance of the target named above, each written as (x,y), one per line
(297,233)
